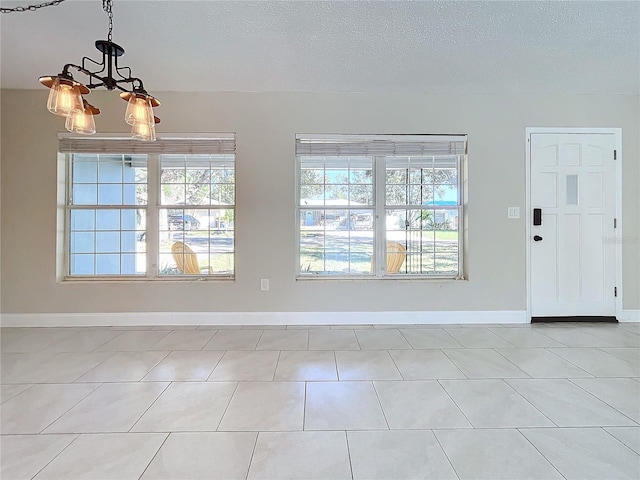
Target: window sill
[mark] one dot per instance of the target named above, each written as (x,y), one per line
(368,278)
(172,279)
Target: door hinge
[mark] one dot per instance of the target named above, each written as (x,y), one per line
(615,291)
(615,223)
(615,154)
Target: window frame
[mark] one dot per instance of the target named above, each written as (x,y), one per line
(152,208)
(379,166)
(348,206)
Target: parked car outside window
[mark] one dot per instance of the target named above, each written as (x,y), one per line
(184,222)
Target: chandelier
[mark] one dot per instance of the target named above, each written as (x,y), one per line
(66,94)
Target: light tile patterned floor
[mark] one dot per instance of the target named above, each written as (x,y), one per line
(354,402)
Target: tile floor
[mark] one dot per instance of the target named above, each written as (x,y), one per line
(355,402)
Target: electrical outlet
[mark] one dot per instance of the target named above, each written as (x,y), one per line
(513,212)
(264,284)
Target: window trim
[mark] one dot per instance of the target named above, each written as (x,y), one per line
(362,143)
(185,145)
(460,208)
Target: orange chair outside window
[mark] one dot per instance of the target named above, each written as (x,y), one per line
(186,259)
(396,255)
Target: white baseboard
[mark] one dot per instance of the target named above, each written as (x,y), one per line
(629,316)
(258,318)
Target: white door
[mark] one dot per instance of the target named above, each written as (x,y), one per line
(572,250)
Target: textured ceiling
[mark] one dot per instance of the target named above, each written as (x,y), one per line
(356,46)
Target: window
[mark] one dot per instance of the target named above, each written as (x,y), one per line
(150,211)
(381,206)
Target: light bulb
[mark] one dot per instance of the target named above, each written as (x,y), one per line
(81,122)
(64,98)
(139,110)
(144,132)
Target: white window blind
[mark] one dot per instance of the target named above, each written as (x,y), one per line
(441,161)
(224,144)
(381,145)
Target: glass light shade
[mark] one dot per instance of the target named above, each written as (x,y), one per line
(81,122)
(144,132)
(139,110)
(64,98)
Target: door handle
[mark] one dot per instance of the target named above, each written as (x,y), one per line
(537,238)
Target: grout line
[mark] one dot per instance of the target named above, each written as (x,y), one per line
(529,401)
(151,405)
(166,355)
(155,454)
(496,350)
(618,348)
(455,403)
(346,437)
(454,338)
(571,380)
(513,345)
(406,339)
(253,452)
(72,407)
(542,454)
(612,435)
(355,334)
(396,365)
(107,341)
(384,415)
(255,347)
(29,385)
(227,406)
(77,435)
(167,333)
(275,367)
(445,452)
(548,349)
(216,365)
(551,338)
(210,340)
(443,351)
(304,407)
(94,367)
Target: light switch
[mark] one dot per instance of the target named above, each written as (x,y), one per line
(513,212)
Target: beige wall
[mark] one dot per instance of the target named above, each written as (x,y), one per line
(266,125)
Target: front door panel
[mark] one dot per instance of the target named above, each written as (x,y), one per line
(573,250)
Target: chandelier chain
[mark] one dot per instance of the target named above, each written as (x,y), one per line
(106,6)
(31,8)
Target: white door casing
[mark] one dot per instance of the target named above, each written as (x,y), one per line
(572,266)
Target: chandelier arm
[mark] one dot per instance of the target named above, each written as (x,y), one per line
(88,73)
(65,70)
(115,86)
(136,83)
(131,80)
(103,64)
(128,77)
(128,69)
